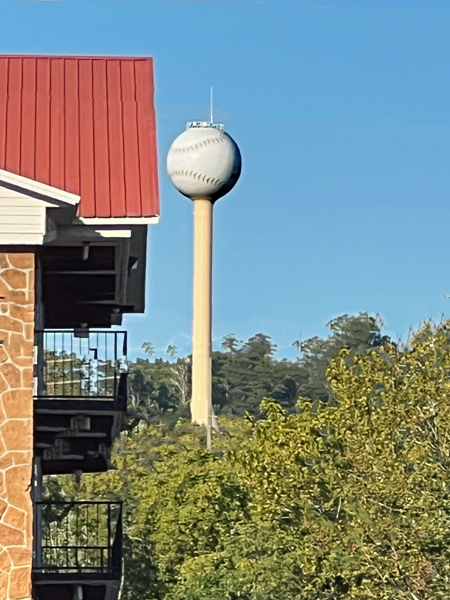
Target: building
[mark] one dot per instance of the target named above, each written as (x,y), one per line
(78,189)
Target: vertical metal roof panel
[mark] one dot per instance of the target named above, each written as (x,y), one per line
(28,133)
(4,69)
(85,125)
(145,127)
(14,113)
(101,140)
(116,136)
(87,155)
(57,120)
(131,148)
(42,144)
(72,126)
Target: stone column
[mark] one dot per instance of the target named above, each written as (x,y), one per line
(17,275)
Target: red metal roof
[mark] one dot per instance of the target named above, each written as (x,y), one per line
(85,125)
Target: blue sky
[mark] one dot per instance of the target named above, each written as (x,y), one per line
(341,109)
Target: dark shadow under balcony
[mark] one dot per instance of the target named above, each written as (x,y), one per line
(77,544)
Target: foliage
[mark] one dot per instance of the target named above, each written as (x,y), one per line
(246,372)
(358,333)
(159,390)
(350,500)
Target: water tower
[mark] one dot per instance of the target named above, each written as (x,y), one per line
(204,164)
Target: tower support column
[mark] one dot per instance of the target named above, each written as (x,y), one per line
(201,403)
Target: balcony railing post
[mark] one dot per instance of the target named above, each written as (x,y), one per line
(37,516)
(109,537)
(40,363)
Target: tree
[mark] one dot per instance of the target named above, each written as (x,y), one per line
(248,372)
(358,333)
(243,373)
(350,500)
(160,390)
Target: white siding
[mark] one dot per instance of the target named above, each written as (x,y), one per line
(22,219)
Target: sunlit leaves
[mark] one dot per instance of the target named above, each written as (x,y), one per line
(350,500)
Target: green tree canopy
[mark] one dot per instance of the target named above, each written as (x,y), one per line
(246,372)
(358,333)
(350,500)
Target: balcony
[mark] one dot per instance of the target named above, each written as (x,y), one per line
(82,364)
(77,550)
(80,398)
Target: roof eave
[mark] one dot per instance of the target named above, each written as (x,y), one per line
(36,189)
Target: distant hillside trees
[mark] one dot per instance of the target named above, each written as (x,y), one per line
(246,372)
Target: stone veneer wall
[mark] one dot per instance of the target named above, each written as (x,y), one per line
(17,274)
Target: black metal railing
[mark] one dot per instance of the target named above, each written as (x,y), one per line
(74,364)
(78,537)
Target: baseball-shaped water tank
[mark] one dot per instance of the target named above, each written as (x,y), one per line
(204,162)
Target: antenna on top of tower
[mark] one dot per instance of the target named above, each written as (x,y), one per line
(212,116)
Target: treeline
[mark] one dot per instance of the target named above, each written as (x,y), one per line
(246,372)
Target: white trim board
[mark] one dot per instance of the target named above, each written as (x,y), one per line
(119,220)
(25,184)
(83,233)
(23,210)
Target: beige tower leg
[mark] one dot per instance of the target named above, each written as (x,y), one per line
(201,403)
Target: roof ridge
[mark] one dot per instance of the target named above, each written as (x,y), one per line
(77,56)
